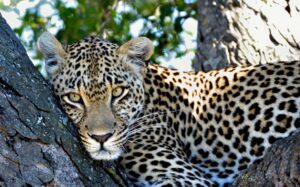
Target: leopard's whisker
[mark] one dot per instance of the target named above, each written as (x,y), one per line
(143,128)
(156,113)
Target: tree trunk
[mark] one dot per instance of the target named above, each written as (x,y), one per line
(239,32)
(243,32)
(38,145)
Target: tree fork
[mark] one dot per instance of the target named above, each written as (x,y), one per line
(243,32)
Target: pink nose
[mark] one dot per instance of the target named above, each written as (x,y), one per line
(102,138)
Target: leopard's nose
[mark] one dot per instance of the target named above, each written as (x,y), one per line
(102,138)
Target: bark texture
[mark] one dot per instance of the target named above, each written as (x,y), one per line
(239,32)
(38,145)
(280,167)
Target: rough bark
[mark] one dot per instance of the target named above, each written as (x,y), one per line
(280,166)
(38,145)
(243,32)
(239,32)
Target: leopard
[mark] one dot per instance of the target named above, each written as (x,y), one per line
(167,127)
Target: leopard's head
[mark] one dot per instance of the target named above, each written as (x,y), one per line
(100,86)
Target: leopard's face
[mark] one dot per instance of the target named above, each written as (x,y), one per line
(100,86)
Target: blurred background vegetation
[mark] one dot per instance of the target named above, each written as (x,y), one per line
(168,23)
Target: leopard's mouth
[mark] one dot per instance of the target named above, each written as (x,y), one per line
(104,154)
(105,148)
(108,150)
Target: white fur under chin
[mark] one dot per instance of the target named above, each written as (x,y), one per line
(106,155)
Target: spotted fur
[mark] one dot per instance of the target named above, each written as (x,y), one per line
(171,128)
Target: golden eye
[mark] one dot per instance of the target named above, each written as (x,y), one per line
(117,92)
(74,97)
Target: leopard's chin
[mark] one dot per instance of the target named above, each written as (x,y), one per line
(106,154)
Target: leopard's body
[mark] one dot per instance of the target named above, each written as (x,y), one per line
(225,119)
(170,127)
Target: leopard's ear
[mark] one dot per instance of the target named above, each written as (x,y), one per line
(53,52)
(138,51)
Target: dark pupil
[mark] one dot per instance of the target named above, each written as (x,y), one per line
(52,63)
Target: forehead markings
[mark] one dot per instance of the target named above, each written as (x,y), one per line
(90,58)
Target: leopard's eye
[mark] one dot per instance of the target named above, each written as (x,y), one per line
(117,92)
(74,97)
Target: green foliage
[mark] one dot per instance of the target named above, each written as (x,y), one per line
(112,19)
